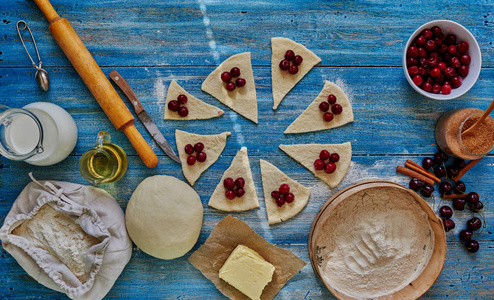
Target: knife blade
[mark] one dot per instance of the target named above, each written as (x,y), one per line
(143,115)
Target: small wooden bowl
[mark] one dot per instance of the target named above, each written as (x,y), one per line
(430,273)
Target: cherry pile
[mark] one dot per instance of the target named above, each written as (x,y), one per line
(175,105)
(335,108)
(227,77)
(472,199)
(200,156)
(234,188)
(326,161)
(283,195)
(436,62)
(295,60)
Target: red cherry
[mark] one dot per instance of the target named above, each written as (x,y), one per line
(230,86)
(336,109)
(230,194)
(441,66)
(331,99)
(456,82)
(189,149)
(463,47)
(297,60)
(463,71)
(226,77)
(228,183)
(446,89)
(284,65)
(240,82)
(450,39)
(427,33)
(430,45)
(412,52)
(422,53)
(182,99)
(411,61)
(335,157)
(275,194)
(191,160)
(284,189)
(293,69)
(330,168)
(324,154)
(420,41)
(328,117)
(454,62)
(465,59)
(280,201)
(426,86)
(436,30)
(449,72)
(289,54)
(413,70)
(442,49)
(183,111)
(235,72)
(435,72)
(417,80)
(436,88)
(452,49)
(198,147)
(173,105)
(289,198)
(319,164)
(201,157)
(239,192)
(324,106)
(240,182)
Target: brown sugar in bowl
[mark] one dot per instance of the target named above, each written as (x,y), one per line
(430,271)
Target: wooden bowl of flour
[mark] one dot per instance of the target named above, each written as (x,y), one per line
(377,239)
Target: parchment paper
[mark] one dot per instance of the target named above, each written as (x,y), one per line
(231,232)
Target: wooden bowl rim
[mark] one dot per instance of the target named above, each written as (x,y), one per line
(436,261)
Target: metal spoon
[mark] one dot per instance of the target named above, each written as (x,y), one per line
(41,74)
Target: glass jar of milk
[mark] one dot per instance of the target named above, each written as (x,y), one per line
(40,133)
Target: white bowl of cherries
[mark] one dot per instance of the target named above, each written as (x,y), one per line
(442,60)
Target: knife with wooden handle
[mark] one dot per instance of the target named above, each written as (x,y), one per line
(143,115)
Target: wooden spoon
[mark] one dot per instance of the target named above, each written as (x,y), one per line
(486,113)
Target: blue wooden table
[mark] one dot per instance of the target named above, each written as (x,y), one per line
(153,42)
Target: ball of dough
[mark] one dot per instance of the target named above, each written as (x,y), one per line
(164,217)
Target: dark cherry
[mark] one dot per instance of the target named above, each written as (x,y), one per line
(446,212)
(289,198)
(445,188)
(477,206)
(456,82)
(440,171)
(427,86)
(336,109)
(235,72)
(335,157)
(319,164)
(420,41)
(189,149)
(411,61)
(330,168)
(474,224)
(427,190)
(427,33)
(418,80)
(284,189)
(284,65)
(280,201)
(240,82)
(436,88)
(173,105)
(239,192)
(198,147)
(324,106)
(191,160)
(449,72)
(459,163)
(415,184)
(448,224)
(414,70)
(289,54)
(331,99)
(454,62)
(201,157)
(450,39)
(226,77)
(240,182)
(472,198)
(463,71)
(229,183)
(275,194)
(436,31)
(452,49)
(230,194)
(440,157)
(230,86)
(460,187)
(452,171)
(293,69)
(465,59)
(412,52)
(324,154)
(463,47)
(427,163)
(328,117)
(297,60)
(182,99)
(459,204)
(472,246)
(466,235)
(446,89)
(430,45)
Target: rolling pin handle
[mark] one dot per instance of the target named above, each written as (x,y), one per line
(145,152)
(48,10)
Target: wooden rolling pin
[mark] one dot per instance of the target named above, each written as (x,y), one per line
(96,81)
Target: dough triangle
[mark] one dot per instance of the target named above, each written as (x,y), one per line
(197,108)
(282,82)
(242,100)
(311,119)
(306,154)
(213,146)
(240,167)
(272,178)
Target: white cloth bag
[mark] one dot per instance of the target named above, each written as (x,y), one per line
(99,216)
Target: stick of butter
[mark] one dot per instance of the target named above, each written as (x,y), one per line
(247,271)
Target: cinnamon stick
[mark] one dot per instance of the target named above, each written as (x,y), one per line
(454,196)
(413,174)
(465,169)
(411,165)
